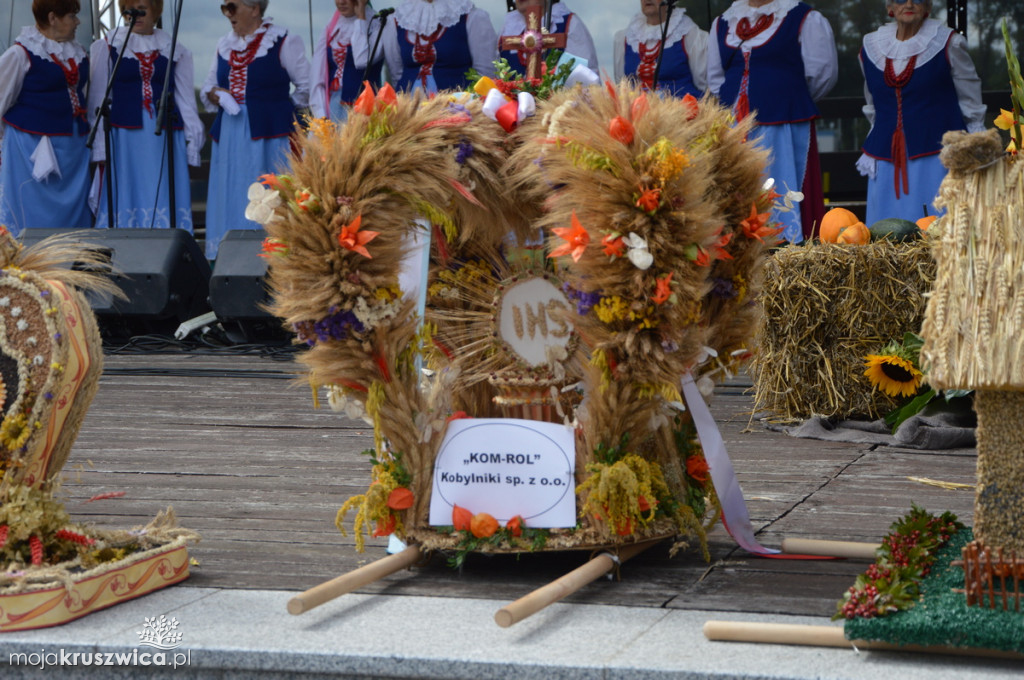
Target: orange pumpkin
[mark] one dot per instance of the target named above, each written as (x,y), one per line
(926,222)
(855,234)
(834,221)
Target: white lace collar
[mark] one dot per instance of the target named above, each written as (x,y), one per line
(233,42)
(639,31)
(741,9)
(515,22)
(420,16)
(41,46)
(344,30)
(929,41)
(158,41)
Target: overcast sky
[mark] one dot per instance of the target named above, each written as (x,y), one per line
(202,23)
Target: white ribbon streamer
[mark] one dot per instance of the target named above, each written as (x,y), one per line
(735,516)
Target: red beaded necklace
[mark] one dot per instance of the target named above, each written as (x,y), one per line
(744,31)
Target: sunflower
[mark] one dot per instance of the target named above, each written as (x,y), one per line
(893,374)
(14,431)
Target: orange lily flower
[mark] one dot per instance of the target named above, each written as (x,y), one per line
(649,200)
(697,467)
(352,239)
(577,239)
(662,289)
(366,100)
(639,107)
(703,258)
(690,103)
(756,225)
(718,247)
(614,246)
(386,97)
(621,130)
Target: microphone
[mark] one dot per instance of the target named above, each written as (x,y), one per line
(133,13)
(383,14)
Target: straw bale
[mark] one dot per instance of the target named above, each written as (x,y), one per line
(973,322)
(825,307)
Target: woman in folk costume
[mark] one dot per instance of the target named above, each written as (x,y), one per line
(919,82)
(776,58)
(684,66)
(44,163)
(339,60)
(431,44)
(578,42)
(139,170)
(249,82)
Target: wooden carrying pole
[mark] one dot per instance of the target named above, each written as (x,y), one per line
(826,636)
(809,546)
(532,603)
(329,590)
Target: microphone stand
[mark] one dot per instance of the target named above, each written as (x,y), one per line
(550,5)
(104,115)
(165,118)
(383,16)
(664,36)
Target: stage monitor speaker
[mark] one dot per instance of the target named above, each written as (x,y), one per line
(163,273)
(238,290)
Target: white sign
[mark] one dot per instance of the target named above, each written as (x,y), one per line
(526,322)
(506,467)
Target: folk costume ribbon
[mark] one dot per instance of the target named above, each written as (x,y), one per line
(648,63)
(425,54)
(146,67)
(899,140)
(71,77)
(744,31)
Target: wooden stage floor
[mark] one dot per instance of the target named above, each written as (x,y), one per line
(234,444)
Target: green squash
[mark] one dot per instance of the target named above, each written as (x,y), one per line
(895,229)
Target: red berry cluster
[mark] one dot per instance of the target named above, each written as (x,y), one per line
(862,603)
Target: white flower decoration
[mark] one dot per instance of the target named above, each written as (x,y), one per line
(342,404)
(22,324)
(262,203)
(16,311)
(5,301)
(638,253)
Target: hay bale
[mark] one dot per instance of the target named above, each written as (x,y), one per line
(825,308)
(973,323)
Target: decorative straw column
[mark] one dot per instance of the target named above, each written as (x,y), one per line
(974,323)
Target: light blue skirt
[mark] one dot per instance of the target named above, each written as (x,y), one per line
(54,202)
(236,162)
(140,181)
(789,145)
(924,175)
(339,111)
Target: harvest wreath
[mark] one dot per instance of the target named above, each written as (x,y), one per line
(657,224)
(53,570)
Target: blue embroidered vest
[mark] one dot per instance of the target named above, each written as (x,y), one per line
(777,87)
(675,75)
(126,97)
(930,109)
(44,106)
(351,77)
(268,101)
(519,63)
(452,62)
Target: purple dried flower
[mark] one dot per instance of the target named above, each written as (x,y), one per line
(584,301)
(723,288)
(465,151)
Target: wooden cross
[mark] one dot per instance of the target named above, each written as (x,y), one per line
(533,41)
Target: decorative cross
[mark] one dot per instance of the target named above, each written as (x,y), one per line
(533,41)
